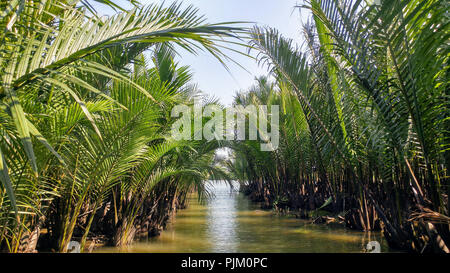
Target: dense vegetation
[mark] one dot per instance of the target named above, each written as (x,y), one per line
(85,121)
(364,122)
(86,148)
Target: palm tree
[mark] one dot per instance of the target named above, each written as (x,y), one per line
(371,90)
(78,84)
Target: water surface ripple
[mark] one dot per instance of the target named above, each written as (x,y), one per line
(229,222)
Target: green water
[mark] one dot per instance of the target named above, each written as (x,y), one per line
(229,222)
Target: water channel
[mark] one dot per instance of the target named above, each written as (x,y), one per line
(229,222)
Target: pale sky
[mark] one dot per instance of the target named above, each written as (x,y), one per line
(209,74)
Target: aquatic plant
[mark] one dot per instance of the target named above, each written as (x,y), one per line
(365,118)
(84,119)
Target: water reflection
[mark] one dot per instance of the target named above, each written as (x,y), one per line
(229,222)
(221,219)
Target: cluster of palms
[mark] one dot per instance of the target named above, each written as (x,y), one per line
(86,146)
(85,120)
(364,119)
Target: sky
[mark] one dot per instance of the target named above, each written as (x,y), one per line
(210,75)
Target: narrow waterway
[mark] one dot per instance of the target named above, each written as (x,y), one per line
(229,222)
